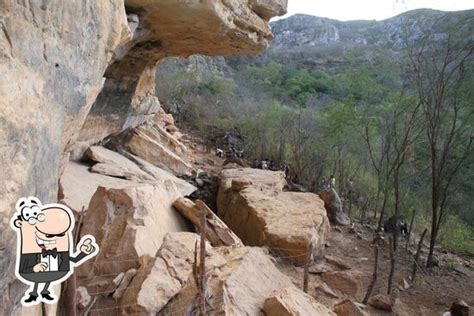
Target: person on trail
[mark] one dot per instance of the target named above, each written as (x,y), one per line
(296,180)
(264,164)
(256,164)
(349,188)
(333,182)
(219,152)
(324,182)
(287,172)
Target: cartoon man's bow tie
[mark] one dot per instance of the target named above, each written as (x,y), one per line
(53,252)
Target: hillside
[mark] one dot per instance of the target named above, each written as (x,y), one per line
(312,87)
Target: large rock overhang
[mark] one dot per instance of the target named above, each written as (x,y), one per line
(53,58)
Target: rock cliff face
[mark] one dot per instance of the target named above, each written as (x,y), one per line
(74,72)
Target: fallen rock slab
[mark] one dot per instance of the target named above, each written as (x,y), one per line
(253,204)
(146,142)
(293,302)
(129,223)
(111,163)
(216,231)
(158,281)
(78,184)
(239,280)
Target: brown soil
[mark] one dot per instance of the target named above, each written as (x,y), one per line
(432,293)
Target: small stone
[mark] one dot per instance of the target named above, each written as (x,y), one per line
(324,288)
(199,182)
(381,301)
(83,297)
(459,308)
(338,262)
(348,308)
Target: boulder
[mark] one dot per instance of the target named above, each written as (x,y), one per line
(114,164)
(348,308)
(78,184)
(348,282)
(162,278)
(239,280)
(254,206)
(129,223)
(333,206)
(293,302)
(215,230)
(146,143)
(381,301)
(239,287)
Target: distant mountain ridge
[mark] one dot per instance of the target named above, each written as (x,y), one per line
(310,31)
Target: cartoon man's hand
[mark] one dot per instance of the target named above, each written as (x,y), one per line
(88,246)
(40,267)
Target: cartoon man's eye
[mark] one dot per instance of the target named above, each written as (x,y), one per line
(36,210)
(26,212)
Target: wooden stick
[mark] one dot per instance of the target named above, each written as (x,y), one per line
(306,278)
(392,264)
(410,229)
(417,255)
(374,276)
(202,266)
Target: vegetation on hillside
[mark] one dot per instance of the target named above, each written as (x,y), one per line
(400,124)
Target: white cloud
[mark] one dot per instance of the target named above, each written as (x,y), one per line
(345,10)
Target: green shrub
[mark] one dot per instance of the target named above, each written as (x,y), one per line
(456,235)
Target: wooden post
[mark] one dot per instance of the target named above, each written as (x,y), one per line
(410,229)
(417,255)
(202,266)
(67,304)
(309,261)
(306,278)
(350,203)
(374,276)
(392,264)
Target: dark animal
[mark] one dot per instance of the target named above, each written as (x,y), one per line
(396,224)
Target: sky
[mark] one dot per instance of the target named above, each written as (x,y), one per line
(345,10)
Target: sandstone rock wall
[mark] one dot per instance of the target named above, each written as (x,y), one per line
(74,72)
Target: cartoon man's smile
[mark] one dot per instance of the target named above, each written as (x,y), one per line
(42,243)
(44,253)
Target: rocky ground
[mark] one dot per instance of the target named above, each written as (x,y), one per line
(134,192)
(347,268)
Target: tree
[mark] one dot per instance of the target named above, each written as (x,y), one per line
(440,77)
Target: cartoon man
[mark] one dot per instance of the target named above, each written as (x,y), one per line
(44,240)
